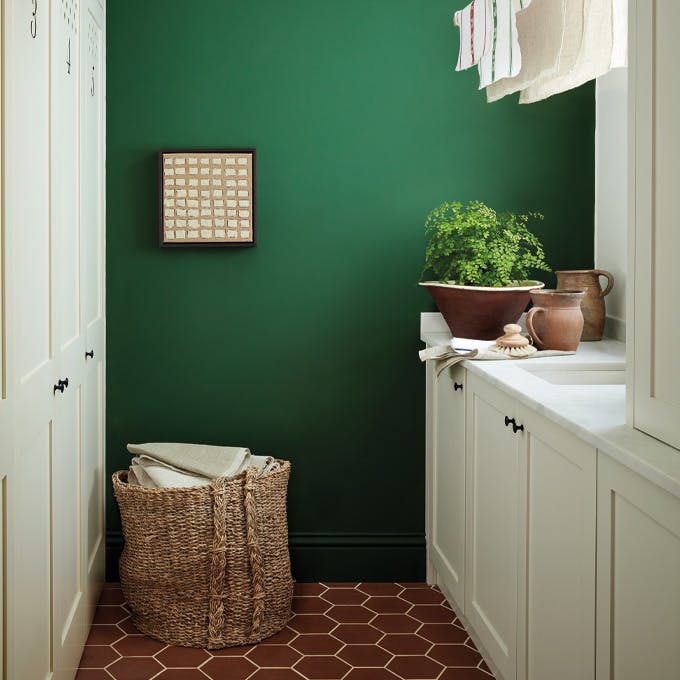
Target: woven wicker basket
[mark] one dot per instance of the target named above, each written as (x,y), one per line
(207,566)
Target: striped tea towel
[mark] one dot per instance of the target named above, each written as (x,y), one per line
(474,25)
(503,59)
(539,29)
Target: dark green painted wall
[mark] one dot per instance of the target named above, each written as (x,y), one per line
(305,347)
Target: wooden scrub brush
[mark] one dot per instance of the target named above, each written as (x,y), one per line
(513,344)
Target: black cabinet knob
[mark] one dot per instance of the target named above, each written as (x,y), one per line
(60,386)
(89,354)
(458,386)
(515,427)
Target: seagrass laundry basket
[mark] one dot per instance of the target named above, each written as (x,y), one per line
(207,566)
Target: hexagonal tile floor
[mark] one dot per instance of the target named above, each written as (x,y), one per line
(339,631)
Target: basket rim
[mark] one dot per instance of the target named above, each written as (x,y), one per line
(117,476)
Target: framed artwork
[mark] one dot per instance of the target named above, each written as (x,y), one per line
(207,198)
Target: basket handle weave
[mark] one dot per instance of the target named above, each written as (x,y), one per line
(219,556)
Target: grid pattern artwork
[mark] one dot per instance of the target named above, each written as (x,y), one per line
(207,198)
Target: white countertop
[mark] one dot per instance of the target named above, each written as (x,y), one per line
(594,413)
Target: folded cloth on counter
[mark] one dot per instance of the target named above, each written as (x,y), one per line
(539,30)
(474,350)
(179,465)
(475,34)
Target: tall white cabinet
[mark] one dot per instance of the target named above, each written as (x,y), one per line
(655,236)
(52,412)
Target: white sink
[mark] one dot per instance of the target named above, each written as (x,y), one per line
(580,374)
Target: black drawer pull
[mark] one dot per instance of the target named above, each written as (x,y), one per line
(458,386)
(515,427)
(60,386)
(89,354)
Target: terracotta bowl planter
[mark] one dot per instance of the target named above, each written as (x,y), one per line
(477,312)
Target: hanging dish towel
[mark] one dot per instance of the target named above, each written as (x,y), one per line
(503,58)
(539,31)
(473,22)
(590,26)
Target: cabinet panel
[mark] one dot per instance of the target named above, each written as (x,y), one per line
(656,238)
(448,494)
(560,556)
(638,619)
(493,510)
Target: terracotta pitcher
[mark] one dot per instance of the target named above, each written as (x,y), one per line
(556,321)
(592,306)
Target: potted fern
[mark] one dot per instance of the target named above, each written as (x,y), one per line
(480,261)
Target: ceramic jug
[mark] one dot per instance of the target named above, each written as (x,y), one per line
(556,321)
(592,306)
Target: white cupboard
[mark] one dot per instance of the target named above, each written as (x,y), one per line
(447,525)
(638,594)
(53,336)
(528,503)
(655,237)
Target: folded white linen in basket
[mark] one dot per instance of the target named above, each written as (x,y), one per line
(172,465)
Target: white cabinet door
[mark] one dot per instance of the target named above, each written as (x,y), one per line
(655,91)
(92,158)
(557,625)
(446,540)
(33,371)
(638,577)
(69,603)
(494,515)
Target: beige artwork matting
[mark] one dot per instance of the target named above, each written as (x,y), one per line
(207,198)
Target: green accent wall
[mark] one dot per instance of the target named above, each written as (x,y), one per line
(305,346)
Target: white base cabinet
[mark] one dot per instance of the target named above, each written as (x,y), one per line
(529,547)
(638,601)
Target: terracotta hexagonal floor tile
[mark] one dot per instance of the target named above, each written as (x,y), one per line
(483,666)
(395,623)
(455,655)
(350,613)
(443,633)
(432,613)
(311,623)
(232,651)
(464,674)
(344,596)
(111,596)
(380,589)
(181,674)
(98,656)
(423,596)
(138,645)
(405,644)
(128,627)
(316,644)
(357,633)
(135,669)
(105,634)
(182,657)
(414,584)
(110,615)
(370,674)
(275,674)
(415,667)
(232,667)
(309,588)
(322,667)
(274,656)
(365,655)
(281,638)
(312,605)
(93,674)
(387,605)
(339,584)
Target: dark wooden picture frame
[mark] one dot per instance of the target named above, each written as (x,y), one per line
(197,190)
